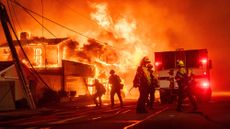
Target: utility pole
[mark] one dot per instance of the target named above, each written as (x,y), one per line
(4,17)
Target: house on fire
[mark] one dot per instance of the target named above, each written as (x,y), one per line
(50,59)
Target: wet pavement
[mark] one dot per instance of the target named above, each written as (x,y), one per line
(212,115)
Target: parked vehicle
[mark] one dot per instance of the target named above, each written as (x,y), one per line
(196,62)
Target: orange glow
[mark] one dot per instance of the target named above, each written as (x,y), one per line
(90,90)
(134,29)
(90,82)
(64,53)
(221,93)
(125,30)
(38,56)
(204,61)
(126,35)
(157,64)
(157,96)
(101,15)
(205,84)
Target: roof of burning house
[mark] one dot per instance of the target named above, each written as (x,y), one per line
(36,40)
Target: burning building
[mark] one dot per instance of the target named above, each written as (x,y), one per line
(49,57)
(115,44)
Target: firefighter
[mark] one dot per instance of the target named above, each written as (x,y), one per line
(100,90)
(116,87)
(151,88)
(142,80)
(183,83)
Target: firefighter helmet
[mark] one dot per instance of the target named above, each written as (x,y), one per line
(146,59)
(180,63)
(112,71)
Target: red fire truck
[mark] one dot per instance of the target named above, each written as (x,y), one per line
(196,61)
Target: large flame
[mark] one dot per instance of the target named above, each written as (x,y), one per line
(141,26)
(125,43)
(118,45)
(101,16)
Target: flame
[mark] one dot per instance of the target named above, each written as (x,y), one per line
(64,52)
(124,40)
(120,48)
(38,56)
(101,16)
(124,29)
(90,90)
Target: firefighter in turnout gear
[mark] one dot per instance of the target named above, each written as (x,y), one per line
(154,83)
(184,87)
(142,80)
(100,90)
(115,81)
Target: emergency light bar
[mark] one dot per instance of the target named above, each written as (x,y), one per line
(204,61)
(157,64)
(205,84)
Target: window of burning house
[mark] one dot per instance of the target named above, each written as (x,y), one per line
(38,56)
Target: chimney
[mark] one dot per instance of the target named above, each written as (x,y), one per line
(24,35)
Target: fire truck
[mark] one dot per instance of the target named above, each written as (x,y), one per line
(195,61)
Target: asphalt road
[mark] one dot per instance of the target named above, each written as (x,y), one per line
(212,115)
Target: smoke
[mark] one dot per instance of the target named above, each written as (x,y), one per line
(138,28)
(207,25)
(94,50)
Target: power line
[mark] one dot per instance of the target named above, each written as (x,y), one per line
(76,12)
(85,17)
(40,23)
(79,14)
(36,73)
(11,17)
(65,27)
(42,17)
(27,58)
(16,18)
(14,32)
